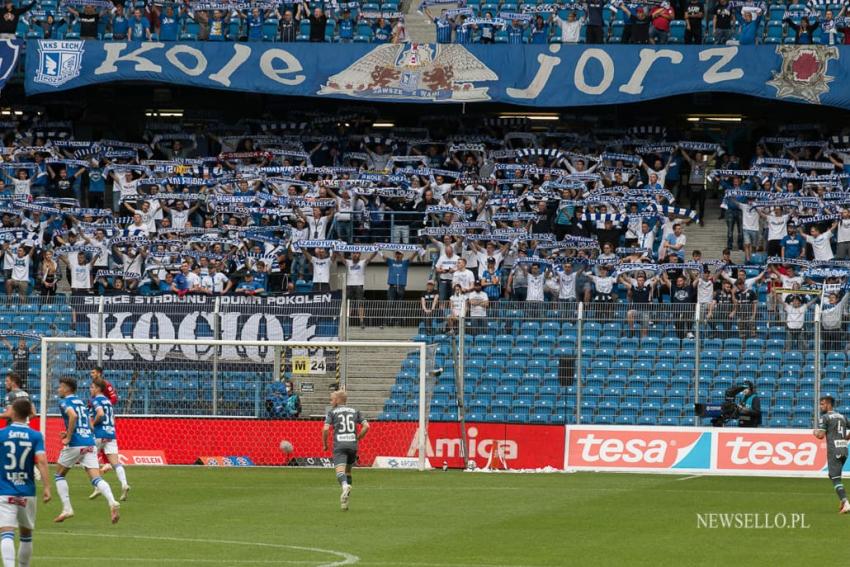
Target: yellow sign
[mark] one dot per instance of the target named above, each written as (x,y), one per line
(308,365)
(301,365)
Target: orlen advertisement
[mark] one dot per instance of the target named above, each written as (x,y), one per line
(733,451)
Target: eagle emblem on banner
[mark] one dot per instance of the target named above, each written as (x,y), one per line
(441,73)
(803,72)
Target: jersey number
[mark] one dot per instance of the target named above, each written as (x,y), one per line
(17,462)
(346,424)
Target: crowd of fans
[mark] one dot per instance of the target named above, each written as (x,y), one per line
(638,22)
(207,20)
(474,21)
(497,212)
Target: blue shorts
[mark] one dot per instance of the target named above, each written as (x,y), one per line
(751,236)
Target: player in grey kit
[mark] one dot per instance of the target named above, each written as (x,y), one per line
(344,421)
(833,426)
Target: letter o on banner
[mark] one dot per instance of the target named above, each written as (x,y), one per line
(607,71)
(200,60)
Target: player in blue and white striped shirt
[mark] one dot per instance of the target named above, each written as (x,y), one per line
(22,450)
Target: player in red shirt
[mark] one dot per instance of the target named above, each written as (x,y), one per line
(110,392)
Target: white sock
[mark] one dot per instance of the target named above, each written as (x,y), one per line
(121,474)
(103,487)
(7,547)
(25,551)
(64,495)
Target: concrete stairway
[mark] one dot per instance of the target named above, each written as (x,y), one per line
(371,373)
(419,28)
(711,238)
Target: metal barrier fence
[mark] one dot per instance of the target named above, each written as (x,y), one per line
(217,382)
(612,362)
(545,362)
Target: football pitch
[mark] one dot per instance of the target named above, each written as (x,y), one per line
(289,516)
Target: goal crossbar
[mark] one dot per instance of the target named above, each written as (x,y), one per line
(420,347)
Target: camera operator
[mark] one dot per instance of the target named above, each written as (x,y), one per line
(749,409)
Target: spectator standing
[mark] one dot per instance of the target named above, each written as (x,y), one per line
(463,277)
(20,358)
(491,280)
(429,302)
(795,318)
(478,303)
(139,27)
(570,28)
(640,296)
(722,22)
(457,309)
(804,31)
(9,16)
(682,298)
(694,14)
(355,280)
(843,236)
(318,23)
(516,33)
(442,25)
(89,20)
(120,23)
(745,308)
(792,243)
(777,229)
(321,269)
(661,17)
(288,27)
(445,267)
(595,22)
(821,242)
(748,27)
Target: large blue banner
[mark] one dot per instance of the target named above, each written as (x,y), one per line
(542,76)
(10,49)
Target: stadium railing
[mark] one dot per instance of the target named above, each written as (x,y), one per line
(587,363)
(552,362)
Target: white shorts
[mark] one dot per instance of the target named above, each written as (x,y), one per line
(17,511)
(85,456)
(108,446)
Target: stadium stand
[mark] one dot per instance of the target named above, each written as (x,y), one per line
(591,298)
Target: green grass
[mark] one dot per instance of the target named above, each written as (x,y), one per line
(187,516)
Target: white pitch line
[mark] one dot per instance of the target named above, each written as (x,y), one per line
(346,558)
(690,477)
(202,561)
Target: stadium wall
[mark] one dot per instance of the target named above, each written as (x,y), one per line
(672,450)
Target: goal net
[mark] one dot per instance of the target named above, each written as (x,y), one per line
(234,402)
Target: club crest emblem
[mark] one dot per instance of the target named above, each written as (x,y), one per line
(58,62)
(414,72)
(803,72)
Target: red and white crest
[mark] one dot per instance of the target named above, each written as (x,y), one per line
(803,72)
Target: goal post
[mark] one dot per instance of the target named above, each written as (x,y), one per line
(197,399)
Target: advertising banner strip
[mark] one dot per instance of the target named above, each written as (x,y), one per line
(536,75)
(696,450)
